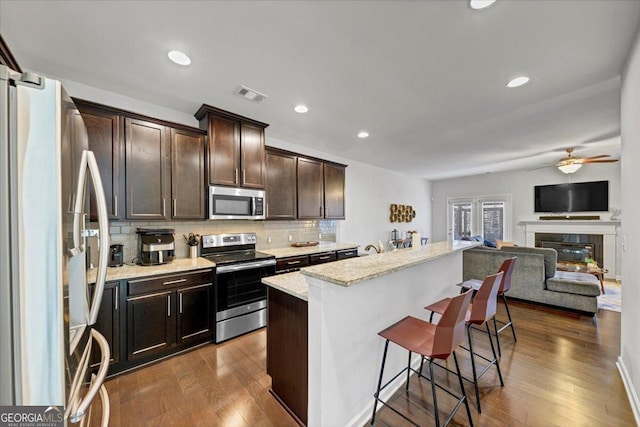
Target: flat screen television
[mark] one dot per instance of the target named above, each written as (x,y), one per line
(574,197)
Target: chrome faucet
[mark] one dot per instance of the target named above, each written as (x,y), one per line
(366,248)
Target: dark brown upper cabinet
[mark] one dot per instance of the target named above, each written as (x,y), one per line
(310,189)
(236,150)
(334,177)
(105,140)
(147,170)
(303,187)
(224,151)
(7,58)
(187,175)
(281,185)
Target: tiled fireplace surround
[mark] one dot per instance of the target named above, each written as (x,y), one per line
(609,231)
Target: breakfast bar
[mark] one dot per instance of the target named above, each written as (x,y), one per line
(347,303)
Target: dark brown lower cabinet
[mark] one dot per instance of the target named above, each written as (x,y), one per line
(166,314)
(149,324)
(315,259)
(108,323)
(194,313)
(287,351)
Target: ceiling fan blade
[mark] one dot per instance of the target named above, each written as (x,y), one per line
(597,157)
(600,161)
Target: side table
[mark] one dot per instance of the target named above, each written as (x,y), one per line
(599,273)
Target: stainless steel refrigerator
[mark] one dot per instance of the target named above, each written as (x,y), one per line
(46,309)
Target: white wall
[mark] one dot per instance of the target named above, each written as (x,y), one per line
(369,189)
(520,185)
(629,361)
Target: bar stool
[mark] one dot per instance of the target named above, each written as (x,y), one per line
(507,268)
(432,342)
(479,313)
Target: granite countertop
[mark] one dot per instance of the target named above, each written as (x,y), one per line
(293,284)
(130,271)
(322,247)
(350,271)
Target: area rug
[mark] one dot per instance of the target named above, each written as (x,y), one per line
(611,299)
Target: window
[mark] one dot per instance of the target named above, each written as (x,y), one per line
(487,216)
(492,226)
(462,219)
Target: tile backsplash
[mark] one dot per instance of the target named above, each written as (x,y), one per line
(271,234)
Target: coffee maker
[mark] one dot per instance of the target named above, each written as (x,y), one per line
(157,246)
(116,256)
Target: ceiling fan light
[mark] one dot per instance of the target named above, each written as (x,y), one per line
(570,167)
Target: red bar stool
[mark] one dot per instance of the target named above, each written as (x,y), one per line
(433,342)
(479,313)
(507,268)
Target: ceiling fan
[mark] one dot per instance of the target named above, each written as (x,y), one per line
(571,163)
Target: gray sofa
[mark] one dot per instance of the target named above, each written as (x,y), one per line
(535,277)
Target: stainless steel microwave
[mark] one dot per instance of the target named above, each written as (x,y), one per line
(236,203)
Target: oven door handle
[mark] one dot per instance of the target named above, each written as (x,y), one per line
(244,266)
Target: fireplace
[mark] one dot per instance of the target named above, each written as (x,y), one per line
(573,249)
(606,245)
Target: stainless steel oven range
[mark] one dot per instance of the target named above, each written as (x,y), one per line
(240,297)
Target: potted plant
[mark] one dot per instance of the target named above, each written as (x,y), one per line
(193,240)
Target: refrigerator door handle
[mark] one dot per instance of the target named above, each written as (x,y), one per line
(97,382)
(88,161)
(79,201)
(104,241)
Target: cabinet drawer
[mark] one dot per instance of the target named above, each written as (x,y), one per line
(347,253)
(292,263)
(322,258)
(172,281)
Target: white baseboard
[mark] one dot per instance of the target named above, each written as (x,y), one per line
(631,392)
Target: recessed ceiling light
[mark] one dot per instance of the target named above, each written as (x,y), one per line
(179,57)
(363,134)
(301,109)
(480,4)
(518,81)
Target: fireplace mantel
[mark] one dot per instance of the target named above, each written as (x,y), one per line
(608,229)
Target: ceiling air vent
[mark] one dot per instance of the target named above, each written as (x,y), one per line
(250,94)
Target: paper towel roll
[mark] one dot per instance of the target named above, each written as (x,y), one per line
(415,240)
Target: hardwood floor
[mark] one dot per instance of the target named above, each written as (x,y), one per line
(561,371)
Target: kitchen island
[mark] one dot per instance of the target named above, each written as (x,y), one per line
(333,337)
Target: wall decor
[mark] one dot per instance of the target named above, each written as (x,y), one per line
(401,213)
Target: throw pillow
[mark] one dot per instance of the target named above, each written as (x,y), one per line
(501,243)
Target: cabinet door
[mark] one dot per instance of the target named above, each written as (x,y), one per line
(347,253)
(333,191)
(294,263)
(224,151)
(149,324)
(194,316)
(310,189)
(108,323)
(187,175)
(147,170)
(103,131)
(322,258)
(252,152)
(281,186)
